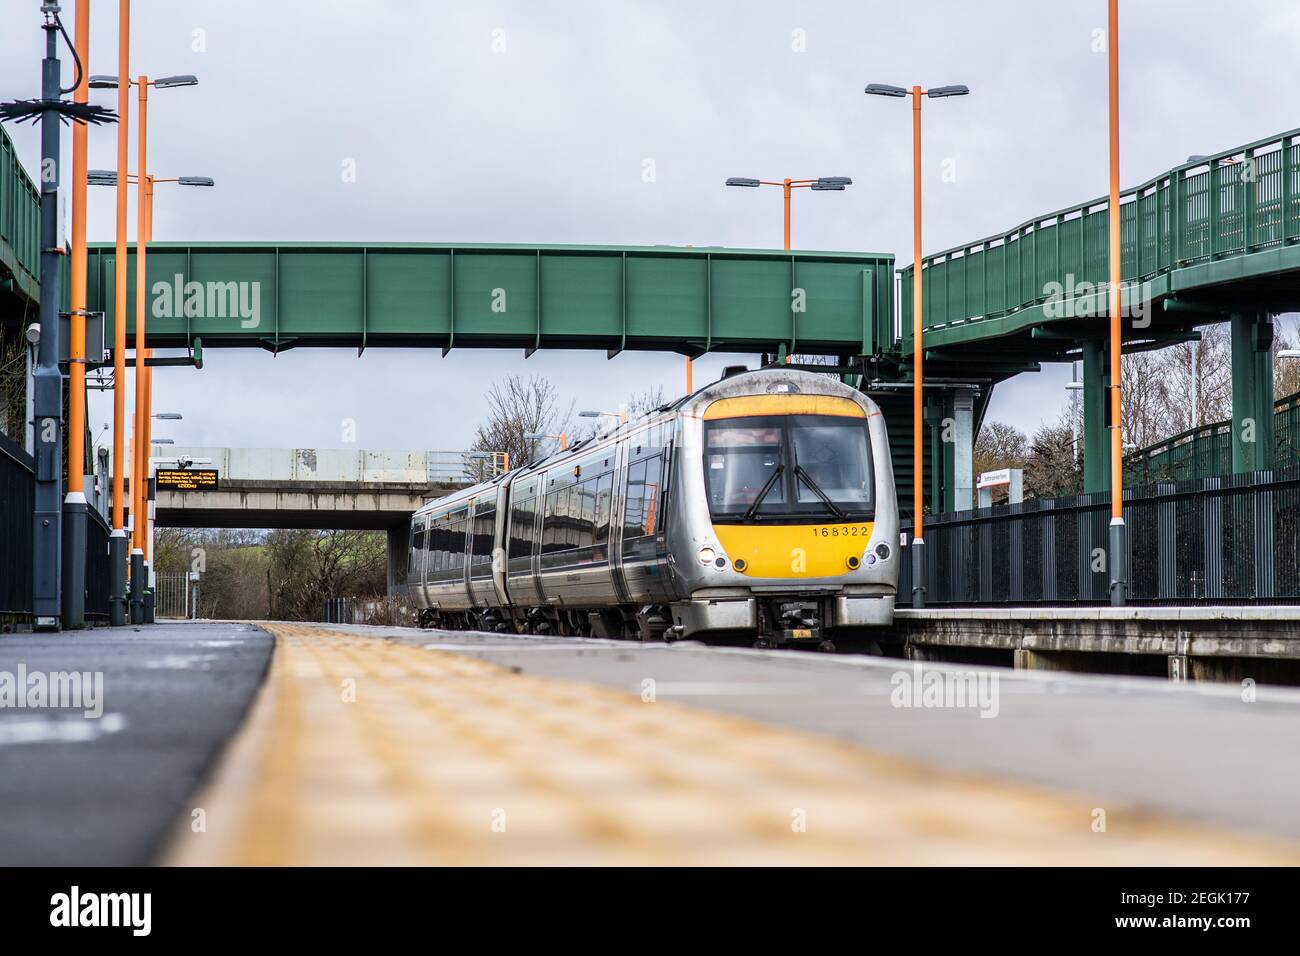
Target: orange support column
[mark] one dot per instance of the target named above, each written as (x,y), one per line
(117,542)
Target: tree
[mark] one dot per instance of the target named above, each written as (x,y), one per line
(1051,467)
(1286,372)
(1000,445)
(518,406)
(307,567)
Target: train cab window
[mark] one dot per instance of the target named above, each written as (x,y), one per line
(833,458)
(743,461)
(788,466)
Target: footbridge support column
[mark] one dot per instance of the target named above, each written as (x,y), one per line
(399,549)
(1096,440)
(1252,391)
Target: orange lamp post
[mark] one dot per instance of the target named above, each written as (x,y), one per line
(1118,546)
(823,184)
(140,458)
(918,350)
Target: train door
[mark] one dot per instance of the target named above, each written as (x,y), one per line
(481,538)
(616,524)
(415,560)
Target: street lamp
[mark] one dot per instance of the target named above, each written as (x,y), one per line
(561,437)
(621,416)
(121,82)
(918,352)
(823,184)
(108,177)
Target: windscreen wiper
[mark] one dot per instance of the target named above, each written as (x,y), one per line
(813,486)
(753,509)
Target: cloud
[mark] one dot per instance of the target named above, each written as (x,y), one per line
(528,122)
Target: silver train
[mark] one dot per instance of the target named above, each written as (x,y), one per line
(762,505)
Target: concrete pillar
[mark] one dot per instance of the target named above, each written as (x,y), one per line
(963,450)
(1096,439)
(1252,391)
(399,548)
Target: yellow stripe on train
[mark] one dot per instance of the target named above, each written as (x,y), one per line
(794,550)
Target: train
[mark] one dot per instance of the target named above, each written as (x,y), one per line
(760,507)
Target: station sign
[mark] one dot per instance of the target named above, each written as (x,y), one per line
(992,479)
(186,479)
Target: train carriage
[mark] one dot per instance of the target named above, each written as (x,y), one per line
(762,505)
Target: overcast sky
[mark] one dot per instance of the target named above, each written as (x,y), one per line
(529,122)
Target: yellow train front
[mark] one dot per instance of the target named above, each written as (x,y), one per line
(762,506)
(788,520)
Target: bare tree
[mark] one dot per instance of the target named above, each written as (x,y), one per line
(1051,467)
(1286,372)
(307,567)
(1000,445)
(519,406)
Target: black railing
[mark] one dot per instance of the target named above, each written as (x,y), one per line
(1230,539)
(17,491)
(1206,451)
(97,577)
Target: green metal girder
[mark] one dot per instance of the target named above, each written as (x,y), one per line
(20,222)
(690,300)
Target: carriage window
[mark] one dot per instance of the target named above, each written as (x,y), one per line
(604,498)
(644,483)
(484,534)
(521,529)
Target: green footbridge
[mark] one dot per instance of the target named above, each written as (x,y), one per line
(1211,240)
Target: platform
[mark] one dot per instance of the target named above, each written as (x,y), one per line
(404,747)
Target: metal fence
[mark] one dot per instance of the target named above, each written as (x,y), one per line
(1206,451)
(97,569)
(1229,539)
(17,491)
(336,610)
(175,595)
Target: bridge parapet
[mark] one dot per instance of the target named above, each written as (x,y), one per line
(324,467)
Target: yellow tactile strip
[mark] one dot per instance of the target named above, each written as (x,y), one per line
(361,750)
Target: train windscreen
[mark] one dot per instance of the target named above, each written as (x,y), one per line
(788,466)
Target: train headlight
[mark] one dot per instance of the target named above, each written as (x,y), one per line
(882,551)
(707,555)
